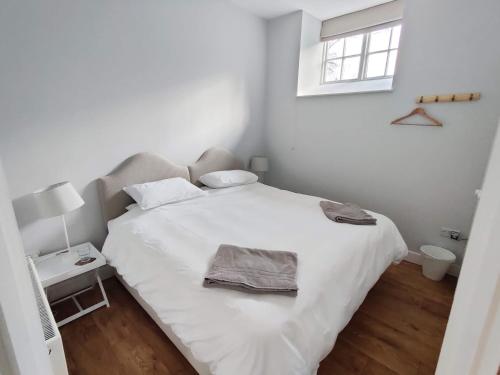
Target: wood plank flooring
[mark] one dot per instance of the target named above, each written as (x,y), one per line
(397,330)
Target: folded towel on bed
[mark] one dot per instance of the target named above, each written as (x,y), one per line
(347,213)
(253,270)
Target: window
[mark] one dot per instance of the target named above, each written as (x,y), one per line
(365,56)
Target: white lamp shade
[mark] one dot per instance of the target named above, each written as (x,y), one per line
(259,164)
(57,199)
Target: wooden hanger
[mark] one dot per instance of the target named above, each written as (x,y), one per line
(417,112)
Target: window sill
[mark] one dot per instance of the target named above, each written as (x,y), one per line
(340,88)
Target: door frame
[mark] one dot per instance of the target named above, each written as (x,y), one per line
(22,336)
(472,342)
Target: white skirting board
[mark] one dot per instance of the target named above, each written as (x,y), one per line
(416,257)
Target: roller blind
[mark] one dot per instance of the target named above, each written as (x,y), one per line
(347,23)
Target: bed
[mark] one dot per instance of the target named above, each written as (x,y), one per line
(161,256)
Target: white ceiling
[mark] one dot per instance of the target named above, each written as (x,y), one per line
(321,9)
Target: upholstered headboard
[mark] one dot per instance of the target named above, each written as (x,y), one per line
(214,159)
(147,167)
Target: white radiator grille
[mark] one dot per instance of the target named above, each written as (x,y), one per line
(55,349)
(48,329)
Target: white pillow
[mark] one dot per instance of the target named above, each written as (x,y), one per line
(131,206)
(154,194)
(222,179)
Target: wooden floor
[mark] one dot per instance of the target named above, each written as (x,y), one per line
(398,330)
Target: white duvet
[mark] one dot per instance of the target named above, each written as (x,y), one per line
(164,253)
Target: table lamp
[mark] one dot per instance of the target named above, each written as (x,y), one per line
(57,200)
(260,165)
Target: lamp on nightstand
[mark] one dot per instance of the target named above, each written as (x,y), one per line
(57,200)
(260,165)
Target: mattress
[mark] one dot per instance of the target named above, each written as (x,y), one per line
(164,253)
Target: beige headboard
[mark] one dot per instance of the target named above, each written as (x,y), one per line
(147,167)
(214,159)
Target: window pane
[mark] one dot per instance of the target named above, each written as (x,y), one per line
(350,69)
(332,71)
(391,65)
(353,45)
(376,65)
(379,40)
(396,33)
(335,48)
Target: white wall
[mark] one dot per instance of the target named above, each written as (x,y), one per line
(342,147)
(87,83)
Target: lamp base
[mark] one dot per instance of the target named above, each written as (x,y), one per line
(68,246)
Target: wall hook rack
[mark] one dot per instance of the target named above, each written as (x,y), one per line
(467,97)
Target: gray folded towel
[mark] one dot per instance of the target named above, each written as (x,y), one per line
(347,213)
(253,270)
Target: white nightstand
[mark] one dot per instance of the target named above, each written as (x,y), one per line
(60,266)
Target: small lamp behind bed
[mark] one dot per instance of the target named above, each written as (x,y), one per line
(57,200)
(260,165)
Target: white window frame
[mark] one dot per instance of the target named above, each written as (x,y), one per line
(364,55)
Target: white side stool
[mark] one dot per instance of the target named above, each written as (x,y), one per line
(60,266)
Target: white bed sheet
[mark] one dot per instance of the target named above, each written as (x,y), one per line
(164,253)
